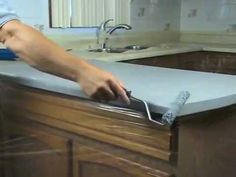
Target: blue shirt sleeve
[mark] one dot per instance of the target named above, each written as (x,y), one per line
(6,13)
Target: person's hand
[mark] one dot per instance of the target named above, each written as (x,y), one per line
(43,54)
(101,85)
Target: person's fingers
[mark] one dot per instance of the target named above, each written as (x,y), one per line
(103,94)
(108,94)
(118,90)
(121,83)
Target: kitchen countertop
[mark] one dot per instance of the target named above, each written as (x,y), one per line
(219,48)
(157,50)
(158,86)
(149,52)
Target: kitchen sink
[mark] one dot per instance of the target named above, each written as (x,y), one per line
(136,47)
(120,49)
(109,50)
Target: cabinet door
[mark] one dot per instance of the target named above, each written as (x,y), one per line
(91,162)
(32,152)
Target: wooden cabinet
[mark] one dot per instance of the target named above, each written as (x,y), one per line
(30,151)
(44,134)
(207,144)
(72,137)
(215,62)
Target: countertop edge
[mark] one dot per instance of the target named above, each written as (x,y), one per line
(187,109)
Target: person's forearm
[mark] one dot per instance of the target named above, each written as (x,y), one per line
(39,52)
(43,54)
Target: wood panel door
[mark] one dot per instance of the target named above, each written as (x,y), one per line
(207,144)
(92,162)
(33,152)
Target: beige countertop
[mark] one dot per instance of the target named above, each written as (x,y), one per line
(219,48)
(150,52)
(158,50)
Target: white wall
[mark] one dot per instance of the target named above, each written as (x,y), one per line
(146,15)
(208,15)
(31,11)
(36,12)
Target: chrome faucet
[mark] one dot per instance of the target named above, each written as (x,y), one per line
(120,26)
(102,30)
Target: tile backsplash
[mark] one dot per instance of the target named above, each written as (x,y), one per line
(210,21)
(155,15)
(208,15)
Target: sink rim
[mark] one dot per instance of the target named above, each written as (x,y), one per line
(109,50)
(136,47)
(120,49)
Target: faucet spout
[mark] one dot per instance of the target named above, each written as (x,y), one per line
(120,26)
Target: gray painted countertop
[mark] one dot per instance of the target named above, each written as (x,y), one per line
(158,86)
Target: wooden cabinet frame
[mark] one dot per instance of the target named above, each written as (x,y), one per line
(101,142)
